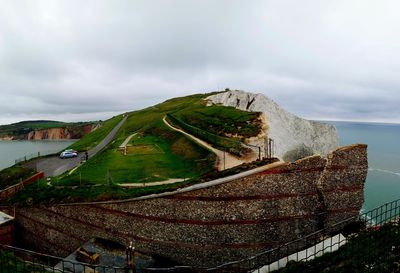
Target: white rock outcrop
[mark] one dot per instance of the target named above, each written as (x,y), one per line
(289,132)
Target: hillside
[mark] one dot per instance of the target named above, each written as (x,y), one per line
(158,153)
(45,129)
(149,154)
(154,151)
(293,136)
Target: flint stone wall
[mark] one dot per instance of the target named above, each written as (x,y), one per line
(213,224)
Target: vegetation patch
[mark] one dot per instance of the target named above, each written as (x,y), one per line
(11,263)
(13,175)
(224,143)
(223,121)
(144,149)
(90,140)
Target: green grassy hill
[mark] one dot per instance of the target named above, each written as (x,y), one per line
(155,152)
(90,140)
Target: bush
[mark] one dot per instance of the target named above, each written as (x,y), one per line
(13,175)
(234,147)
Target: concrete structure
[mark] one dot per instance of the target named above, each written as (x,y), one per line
(6,229)
(328,245)
(214,222)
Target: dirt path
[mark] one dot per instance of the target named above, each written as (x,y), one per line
(224,160)
(126,141)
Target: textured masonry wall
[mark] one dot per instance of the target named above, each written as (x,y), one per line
(215,224)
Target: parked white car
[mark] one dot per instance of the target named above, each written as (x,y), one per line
(68,154)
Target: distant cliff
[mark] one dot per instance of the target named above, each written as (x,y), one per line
(294,137)
(60,133)
(45,130)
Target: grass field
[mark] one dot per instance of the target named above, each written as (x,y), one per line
(151,159)
(13,175)
(144,149)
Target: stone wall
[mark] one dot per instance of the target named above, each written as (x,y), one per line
(215,222)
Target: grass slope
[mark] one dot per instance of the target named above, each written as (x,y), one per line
(92,139)
(176,160)
(175,155)
(13,175)
(239,124)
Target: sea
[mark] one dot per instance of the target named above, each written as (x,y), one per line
(19,149)
(382,183)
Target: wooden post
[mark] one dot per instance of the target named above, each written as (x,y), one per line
(224,160)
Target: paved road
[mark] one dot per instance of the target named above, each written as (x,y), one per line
(53,166)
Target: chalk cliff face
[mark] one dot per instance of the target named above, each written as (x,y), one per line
(291,134)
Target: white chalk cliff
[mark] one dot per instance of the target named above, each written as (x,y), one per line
(289,132)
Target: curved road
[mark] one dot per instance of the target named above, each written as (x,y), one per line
(53,166)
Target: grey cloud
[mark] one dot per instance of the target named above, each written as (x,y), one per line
(318,59)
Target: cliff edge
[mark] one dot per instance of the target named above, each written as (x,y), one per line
(293,137)
(46,130)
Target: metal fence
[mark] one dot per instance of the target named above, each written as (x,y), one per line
(233,146)
(326,240)
(32,156)
(309,247)
(226,144)
(16,260)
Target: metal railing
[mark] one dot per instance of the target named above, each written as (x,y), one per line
(17,260)
(323,241)
(32,156)
(316,244)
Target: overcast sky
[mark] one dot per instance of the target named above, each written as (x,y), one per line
(86,60)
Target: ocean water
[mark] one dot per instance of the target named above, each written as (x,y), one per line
(12,150)
(383,180)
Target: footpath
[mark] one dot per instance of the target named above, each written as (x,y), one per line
(225,160)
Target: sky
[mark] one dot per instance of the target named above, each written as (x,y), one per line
(75,60)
